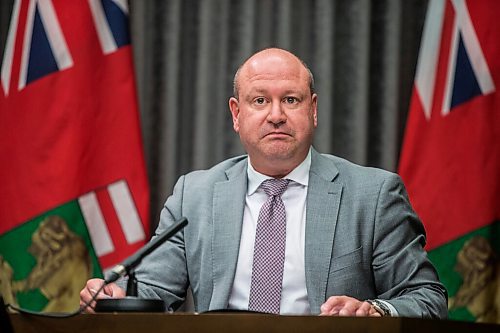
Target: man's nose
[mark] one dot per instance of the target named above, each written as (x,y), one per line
(276,113)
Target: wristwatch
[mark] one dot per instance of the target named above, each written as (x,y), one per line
(380,307)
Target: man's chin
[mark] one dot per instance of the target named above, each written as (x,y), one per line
(279,151)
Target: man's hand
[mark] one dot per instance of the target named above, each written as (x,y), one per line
(347,306)
(92,286)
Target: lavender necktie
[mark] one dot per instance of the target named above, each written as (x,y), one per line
(269,250)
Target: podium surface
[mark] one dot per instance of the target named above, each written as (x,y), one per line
(235,322)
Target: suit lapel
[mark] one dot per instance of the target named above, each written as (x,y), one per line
(228,208)
(323,200)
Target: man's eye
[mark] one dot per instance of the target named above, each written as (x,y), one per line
(291,100)
(260,100)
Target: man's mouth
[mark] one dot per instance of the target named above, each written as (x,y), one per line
(277,135)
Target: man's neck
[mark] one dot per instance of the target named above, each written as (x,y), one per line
(274,171)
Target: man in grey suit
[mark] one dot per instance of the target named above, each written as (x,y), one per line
(353,247)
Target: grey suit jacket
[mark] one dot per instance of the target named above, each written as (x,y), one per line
(362,239)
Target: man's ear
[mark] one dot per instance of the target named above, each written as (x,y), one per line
(315,109)
(234,107)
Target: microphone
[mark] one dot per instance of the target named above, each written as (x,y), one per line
(135,259)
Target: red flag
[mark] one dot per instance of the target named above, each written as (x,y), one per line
(69,122)
(450,159)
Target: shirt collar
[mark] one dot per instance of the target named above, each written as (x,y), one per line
(299,175)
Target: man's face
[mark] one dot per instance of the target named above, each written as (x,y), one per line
(275,113)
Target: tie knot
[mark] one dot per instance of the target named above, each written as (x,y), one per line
(274,187)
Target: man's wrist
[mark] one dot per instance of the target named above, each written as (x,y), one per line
(380,307)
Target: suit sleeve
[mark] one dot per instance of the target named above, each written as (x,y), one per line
(403,274)
(163,273)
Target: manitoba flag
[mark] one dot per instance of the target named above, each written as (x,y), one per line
(74,193)
(450,160)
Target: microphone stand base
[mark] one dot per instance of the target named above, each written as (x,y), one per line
(129,304)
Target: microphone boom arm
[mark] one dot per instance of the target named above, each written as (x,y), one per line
(134,260)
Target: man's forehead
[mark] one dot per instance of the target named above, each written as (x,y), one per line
(274,65)
(273,75)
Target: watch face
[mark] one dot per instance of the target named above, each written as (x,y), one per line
(384,308)
(380,307)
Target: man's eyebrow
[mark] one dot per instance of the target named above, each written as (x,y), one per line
(263,91)
(294,92)
(257,91)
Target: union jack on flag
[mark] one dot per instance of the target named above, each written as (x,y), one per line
(467,72)
(45,49)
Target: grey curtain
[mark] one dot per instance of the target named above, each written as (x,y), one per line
(362,53)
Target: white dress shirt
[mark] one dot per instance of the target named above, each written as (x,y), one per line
(294,293)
